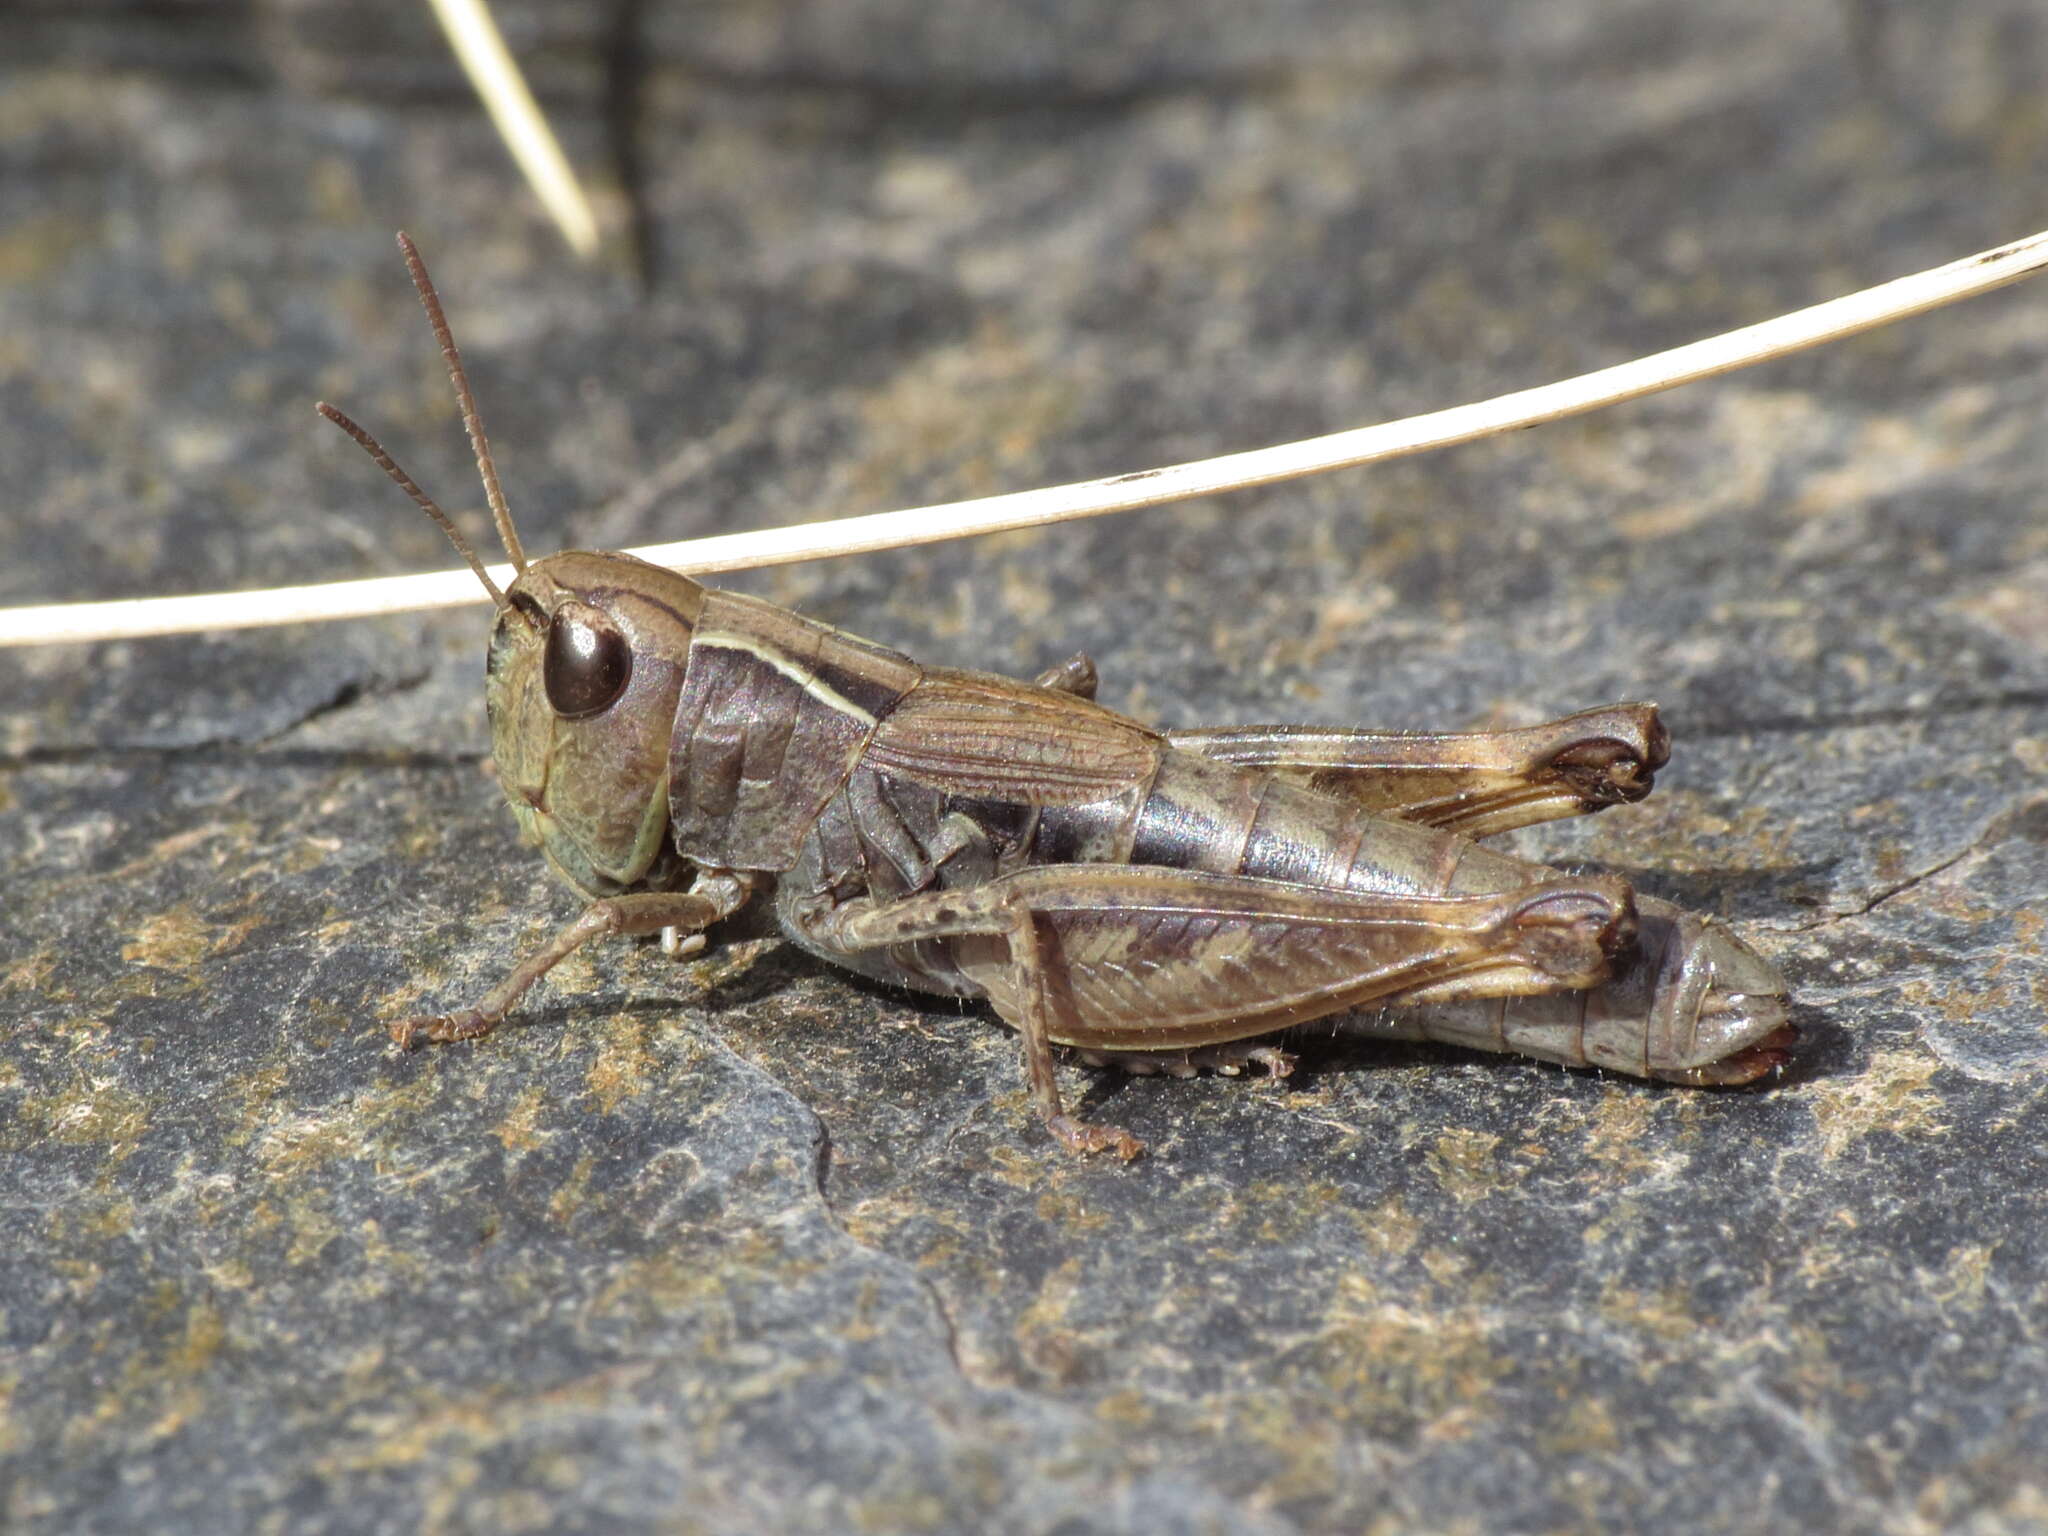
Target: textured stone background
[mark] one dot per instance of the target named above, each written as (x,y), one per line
(743,1244)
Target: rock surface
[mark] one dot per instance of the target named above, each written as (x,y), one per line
(742,1244)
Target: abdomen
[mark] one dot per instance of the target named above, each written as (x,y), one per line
(1690,1003)
(973,778)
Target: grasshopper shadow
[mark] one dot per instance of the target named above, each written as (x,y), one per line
(1732,894)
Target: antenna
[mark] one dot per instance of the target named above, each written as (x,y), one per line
(431,301)
(427,504)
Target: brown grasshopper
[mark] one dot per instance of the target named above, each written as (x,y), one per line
(1157,899)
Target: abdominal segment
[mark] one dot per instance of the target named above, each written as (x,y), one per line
(1674,1009)
(1688,1002)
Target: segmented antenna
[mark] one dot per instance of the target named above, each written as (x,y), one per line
(507,534)
(427,504)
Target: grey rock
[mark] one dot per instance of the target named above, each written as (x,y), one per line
(745,1244)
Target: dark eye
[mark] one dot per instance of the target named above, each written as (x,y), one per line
(587,663)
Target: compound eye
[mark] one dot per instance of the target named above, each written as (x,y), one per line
(587,664)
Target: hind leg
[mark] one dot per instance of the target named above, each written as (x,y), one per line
(1129,959)
(1475,783)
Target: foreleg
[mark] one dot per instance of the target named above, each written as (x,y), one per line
(717,894)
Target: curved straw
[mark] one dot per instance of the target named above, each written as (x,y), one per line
(1846,316)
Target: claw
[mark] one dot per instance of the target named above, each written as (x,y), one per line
(678,945)
(1278,1063)
(440,1028)
(1080,1136)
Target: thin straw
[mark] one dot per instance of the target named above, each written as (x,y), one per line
(492,70)
(1837,318)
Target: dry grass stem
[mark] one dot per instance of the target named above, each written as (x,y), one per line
(1856,312)
(495,74)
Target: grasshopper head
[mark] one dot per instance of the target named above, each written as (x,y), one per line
(585,665)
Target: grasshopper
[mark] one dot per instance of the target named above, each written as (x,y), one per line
(1160,900)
